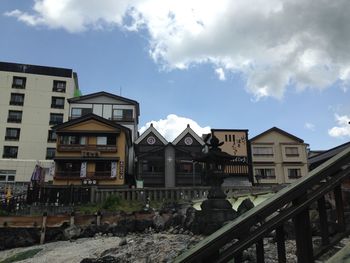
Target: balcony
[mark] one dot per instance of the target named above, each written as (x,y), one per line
(11,138)
(122,119)
(75,175)
(89,148)
(16,103)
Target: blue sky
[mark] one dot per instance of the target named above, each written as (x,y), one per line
(228,64)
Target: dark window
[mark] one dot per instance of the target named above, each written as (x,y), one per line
(59,86)
(56,118)
(18,82)
(78,112)
(7,175)
(10,152)
(50,153)
(150,166)
(106,140)
(103,167)
(52,137)
(57,102)
(123,115)
(17,99)
(294,173)
(12,134)
(14,116)
(265,173)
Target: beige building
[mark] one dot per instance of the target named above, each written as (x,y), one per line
(33,98)
(278,157)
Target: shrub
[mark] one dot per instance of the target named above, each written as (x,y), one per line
(111,202)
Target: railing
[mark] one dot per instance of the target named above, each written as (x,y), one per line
(188,179)
(126,119)
(89,147)
(13,203)
(291,203)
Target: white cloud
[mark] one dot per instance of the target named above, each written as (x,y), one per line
(173,125)
(220,73)
(273,43)
(343,128)
(309,126)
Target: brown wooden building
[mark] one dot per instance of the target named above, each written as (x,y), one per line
(91,150)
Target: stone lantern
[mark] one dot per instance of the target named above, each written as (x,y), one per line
(216,209)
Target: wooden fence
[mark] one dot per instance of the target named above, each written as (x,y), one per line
(55,221)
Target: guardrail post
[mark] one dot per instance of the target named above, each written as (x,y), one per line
(281,246)
(98,218)
(43,229)
(71,220)
(93,194)
(303,237)
(260,251)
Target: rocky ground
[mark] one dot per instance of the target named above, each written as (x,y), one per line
(138,248)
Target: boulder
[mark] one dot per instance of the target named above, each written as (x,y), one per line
(246,205)
(72,232)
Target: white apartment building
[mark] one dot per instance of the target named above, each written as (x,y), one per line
(32,99)
(119,109)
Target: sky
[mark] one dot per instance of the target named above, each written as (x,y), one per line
(220,64)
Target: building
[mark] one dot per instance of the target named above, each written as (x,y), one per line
(234,142)
(278,157)
(168,164)
(91,150)
(118,109)
(33,98)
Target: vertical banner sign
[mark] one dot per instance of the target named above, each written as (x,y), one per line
(52,170)
(121,170)
(83,170)
(114,169)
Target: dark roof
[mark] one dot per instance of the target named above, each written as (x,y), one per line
(328,154)
(279,131)
(34,69)
(107,94)
(92,116)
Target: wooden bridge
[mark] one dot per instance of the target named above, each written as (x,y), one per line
(291,203)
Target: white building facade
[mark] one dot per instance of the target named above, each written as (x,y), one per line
(33,98)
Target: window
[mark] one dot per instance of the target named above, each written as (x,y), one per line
(122,115)
(78,112)
(229,138)
(50,153)
(52,137)
(59,86)
(106,140)
(73,139)
(17,99)
(262,151)
(12,134)
(149,166)
(56,118)
(292,151)
(18,82)
(15,116)
(7,176)
(294,173)
(184,166)
(265,173)
(57,102)
(10,152)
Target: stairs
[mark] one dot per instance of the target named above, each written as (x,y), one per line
(290,203)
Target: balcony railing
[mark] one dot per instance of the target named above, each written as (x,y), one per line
(11,138)
(75,175)
(16,103)
(90,147)
(18,86)
(14,119)
(126,119)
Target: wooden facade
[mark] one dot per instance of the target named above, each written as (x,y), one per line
(91,150)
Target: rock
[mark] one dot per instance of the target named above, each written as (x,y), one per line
(129,224)
(119,231)
(72,232)
(89,231)
(141,225)
(158,222)
(190,217)
(122,242)
(246,205)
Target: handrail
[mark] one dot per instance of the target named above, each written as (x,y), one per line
(331,169)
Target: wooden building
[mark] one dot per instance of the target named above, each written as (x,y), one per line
(168,164)
(91,150)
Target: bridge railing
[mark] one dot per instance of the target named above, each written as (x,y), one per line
(291,203)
